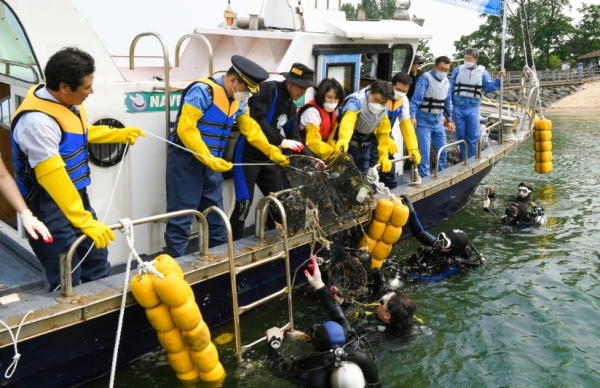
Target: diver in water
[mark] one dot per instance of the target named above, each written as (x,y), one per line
(336,360)
(521,210)
(439,257)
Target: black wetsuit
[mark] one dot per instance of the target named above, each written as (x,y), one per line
(319,377)
(275,112)
(529,215)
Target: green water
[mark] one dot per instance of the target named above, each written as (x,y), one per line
(527,319)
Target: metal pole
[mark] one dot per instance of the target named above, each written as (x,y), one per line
(502,58)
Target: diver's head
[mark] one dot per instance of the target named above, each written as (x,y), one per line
(328,336)
(525,190)
(515,211)
(347,375)
(396,308)
(453,242)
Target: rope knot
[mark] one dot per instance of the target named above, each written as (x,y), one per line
(17,356)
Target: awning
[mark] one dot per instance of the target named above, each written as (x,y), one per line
(593,54)
(376,29)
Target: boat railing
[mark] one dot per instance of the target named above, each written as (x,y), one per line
(415,172)
(439,154)
(206,42)
(66,259)
(261,216)
(167,69)
(8,64)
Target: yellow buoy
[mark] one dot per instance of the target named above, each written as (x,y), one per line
(217,373)
(198,338)
(172,290)
(181,362)
(542,146)
(392,234)
(187,316)
(166,263)
(172,341)
(383,211)
(368,242)
(542,135)
(381,251)
(376,229)
(399,215)
(376,264)
(543,125)
(543,157)
(143,290)
(206,359)
(191,375)
(543,168)
(160,318)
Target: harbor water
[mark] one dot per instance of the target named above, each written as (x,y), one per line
(528,318)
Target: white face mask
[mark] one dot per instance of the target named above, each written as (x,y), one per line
(241,96)
(330,106)
(398,95)
(469,64)
(375,108)
(441,75)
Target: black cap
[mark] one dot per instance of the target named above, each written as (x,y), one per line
(459,241)
(250,72)
(301,75)
(418,59)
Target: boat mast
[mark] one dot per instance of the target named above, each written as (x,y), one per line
(502,61)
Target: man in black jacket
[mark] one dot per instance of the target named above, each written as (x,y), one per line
(414,73)
(274,110)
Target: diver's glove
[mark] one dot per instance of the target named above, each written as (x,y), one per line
(33,226)
(486,203)
(315,279)
(53,177)
(407,202)
(293,145)
(274,337)
(386,165)
(106,134)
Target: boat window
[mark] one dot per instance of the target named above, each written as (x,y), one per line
(18,60)
(402,56)
(108,154)
(344,73)
(5,113)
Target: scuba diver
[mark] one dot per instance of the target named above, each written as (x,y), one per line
(439,257)
(336,360)
(521,210)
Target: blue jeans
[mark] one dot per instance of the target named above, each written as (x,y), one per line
(389,179)
(191,185)
(95,266)
(466,118)
(430,129)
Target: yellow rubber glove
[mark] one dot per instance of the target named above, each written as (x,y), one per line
(255,136)
(192,140)
(393,148)
(410,139)
(315,143)
(386,165)
(52,176)
(385,142)
(105,134)
(345,131)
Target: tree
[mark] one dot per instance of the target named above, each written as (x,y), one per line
(350,10)
(425,51)
(586,37)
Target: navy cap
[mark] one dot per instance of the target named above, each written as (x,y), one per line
(418,59)
(250,72)
(301,75)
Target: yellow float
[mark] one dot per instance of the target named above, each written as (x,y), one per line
(172,311)
(542,145)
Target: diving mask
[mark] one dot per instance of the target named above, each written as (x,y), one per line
(444,241)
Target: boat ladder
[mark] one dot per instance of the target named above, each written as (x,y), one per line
(261,216)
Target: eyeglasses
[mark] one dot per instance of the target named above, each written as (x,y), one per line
(524,191)
(385,299)
(444,240)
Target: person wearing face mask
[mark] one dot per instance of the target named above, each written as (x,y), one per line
(414,73)
(398,108)
(274,110)
(431,101)
(318,117)
(468,83)
(364,113)
(209,109)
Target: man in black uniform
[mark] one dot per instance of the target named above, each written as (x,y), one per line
(414,73)
(275,111)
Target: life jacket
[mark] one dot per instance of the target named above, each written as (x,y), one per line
(327,119)
(469,82)
(73,146)
(395,109)
(217,120)
(434,99)
(366,122)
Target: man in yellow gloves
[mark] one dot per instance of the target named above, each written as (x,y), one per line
(209,109)
(50,138)
(365,113)
(398,108)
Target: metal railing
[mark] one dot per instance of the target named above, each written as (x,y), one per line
(200,37)
(439,154)
(167,68)
(8,64)
(261,215)
(66,259)
(415,171)
(513,78)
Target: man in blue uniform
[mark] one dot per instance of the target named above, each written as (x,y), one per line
(50,137)
(468,83)
(431,102)
(209,109)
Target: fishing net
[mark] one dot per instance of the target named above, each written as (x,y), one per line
(324,192)
(348,276)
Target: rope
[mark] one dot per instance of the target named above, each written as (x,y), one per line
(204,156)
(144,268)
(373,178)
(15,338)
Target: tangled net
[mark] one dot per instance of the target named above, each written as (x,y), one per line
(349,277)
(323,194)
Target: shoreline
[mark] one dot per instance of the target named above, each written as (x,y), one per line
(585,99)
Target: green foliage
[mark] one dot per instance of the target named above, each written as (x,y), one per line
(425,51)
(586,37)
(350,10)
(374,9)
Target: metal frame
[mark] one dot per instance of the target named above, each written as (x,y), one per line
(208,47)
(439,154)
(8,64)
(167,68)
(407,157)
(66,259)
(261,215)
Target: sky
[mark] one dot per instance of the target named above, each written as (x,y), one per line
(174,18)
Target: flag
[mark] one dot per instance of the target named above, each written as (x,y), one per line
(491,7)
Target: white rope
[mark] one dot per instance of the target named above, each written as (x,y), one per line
(15,338)
(206,157)
(144,268)
(373,178)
